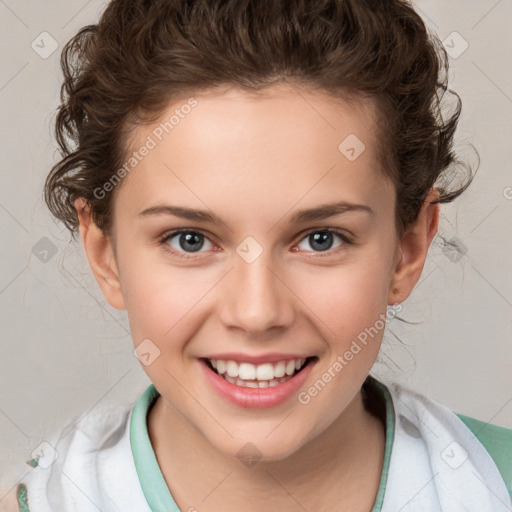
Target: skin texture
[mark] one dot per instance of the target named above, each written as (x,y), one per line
(254,160)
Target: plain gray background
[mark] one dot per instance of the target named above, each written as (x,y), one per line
(65,351)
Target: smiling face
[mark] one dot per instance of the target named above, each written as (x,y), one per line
(258,278)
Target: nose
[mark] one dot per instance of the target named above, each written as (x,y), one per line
(256,298)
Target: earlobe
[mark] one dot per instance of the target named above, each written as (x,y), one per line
(100,255)
(413,250)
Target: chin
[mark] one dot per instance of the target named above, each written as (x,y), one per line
(258,449)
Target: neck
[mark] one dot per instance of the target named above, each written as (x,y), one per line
(343,463)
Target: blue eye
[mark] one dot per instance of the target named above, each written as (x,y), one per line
(186,242)
(322,239)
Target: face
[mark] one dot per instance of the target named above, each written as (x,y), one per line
(261,280)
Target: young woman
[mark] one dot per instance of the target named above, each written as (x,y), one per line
(257,182)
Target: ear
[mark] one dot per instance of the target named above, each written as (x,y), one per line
(413,248)
(100,254)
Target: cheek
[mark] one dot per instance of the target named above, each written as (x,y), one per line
(345,299)
(161,298)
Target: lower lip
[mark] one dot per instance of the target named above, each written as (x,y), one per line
(257,398)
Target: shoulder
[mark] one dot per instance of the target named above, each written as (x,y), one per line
(485,444)
(498,443)
(71,462)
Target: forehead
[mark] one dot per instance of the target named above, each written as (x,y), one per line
(283,140)
(265,112)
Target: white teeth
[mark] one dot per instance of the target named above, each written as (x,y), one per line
(247,371)
(290,367)
(254,384)
(263,372)
(220,366)
(232,368)
(279,369)
(266,372)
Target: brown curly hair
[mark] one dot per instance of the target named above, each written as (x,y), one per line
(125,70)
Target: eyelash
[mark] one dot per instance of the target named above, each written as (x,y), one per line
(168,236)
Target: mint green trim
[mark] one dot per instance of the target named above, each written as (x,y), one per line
(151,479)
(153,483)
(497,441)
(21,495)
(390,436)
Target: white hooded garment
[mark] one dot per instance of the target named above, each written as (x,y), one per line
(433,461)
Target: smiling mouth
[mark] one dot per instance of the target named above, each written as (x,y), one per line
(258,383)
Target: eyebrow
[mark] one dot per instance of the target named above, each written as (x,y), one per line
(311,214)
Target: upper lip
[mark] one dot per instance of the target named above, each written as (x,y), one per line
(262,359)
